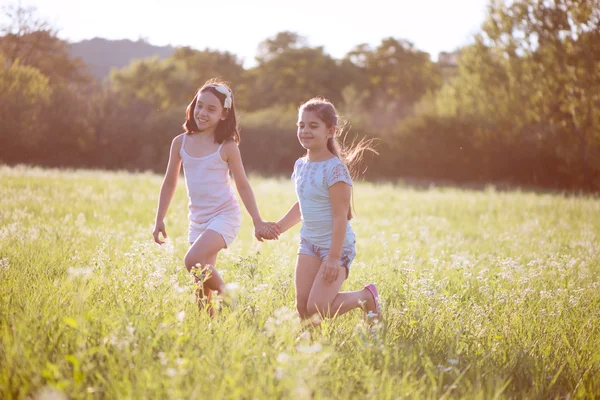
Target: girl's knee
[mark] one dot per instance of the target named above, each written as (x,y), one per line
(301,307)
(191,259)
(321,308)
(313,309)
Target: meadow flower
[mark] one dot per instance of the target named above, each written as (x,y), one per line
(283,358)
(232,286)
(282,316)
(314,348)
(48,393)
(231,293)
(279,373)
(162,357)
(303,337)
(199,273)
(261,287)
(180,316)
(78,272)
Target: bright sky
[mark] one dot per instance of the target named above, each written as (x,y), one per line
(239,26)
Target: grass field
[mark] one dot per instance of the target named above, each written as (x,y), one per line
(486,295)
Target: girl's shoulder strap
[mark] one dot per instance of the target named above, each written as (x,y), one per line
(223,150)
(181,148)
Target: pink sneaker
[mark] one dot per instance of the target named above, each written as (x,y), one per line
(373,289)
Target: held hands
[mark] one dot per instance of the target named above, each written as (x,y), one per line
(262,230)
(159,227)
(266,230)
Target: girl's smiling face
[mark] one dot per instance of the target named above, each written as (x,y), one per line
(208,111)
(312,131)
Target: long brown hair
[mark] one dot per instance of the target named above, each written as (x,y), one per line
(226,129)
(352,154)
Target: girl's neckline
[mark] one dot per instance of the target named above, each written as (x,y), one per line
(199,157)
(322,161)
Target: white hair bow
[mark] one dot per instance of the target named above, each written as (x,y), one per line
(223,89)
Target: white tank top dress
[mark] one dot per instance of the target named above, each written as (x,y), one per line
(212,202)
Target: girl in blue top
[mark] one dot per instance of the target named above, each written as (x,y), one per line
(327,242)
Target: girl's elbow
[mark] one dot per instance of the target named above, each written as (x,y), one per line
(169,184)
(340,218)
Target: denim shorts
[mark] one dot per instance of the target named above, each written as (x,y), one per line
(348,253)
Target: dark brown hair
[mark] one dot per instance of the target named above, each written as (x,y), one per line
(352,155)
(226,129)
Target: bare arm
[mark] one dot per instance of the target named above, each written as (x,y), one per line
(291,218)
(340,194)
(167,189)
(234,159)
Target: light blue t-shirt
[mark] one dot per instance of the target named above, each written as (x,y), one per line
(312,180)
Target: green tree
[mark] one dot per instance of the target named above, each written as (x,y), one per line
(173,81)
(28,40)
(551,51)
(47,96)
(290,72)
(202,65)
(529,86)
(24,96)
(284,41)
(393,76)
(151,81)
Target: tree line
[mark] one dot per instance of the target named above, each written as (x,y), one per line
(520,105)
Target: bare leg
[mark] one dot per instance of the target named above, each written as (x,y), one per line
(207,292)
(204,251)
(326,300)
(307,268)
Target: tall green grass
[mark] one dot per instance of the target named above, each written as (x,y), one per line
(486,294)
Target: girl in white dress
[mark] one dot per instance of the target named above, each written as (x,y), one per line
(208,150)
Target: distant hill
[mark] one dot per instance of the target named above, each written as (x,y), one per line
(101,54)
